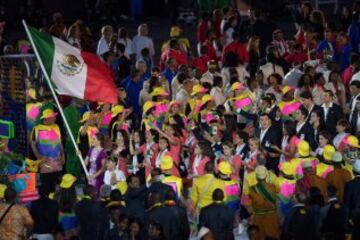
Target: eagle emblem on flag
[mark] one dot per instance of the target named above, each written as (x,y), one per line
(70,65)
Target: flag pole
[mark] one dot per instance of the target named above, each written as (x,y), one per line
(56,99)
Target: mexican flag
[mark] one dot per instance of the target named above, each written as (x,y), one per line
(74,72)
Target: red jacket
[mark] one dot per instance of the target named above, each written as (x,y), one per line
(238,48)
(296,58)
(180,57)
(216,25)
(201,31)
(201,167)
(211,52)
(201,63)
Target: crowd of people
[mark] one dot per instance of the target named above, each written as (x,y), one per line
(257,134)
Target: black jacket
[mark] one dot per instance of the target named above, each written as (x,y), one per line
(353,122)
(45,215)
(181,219)
(316,108)
(352,196)
(306,133)
(115,235)
(219,219)
(272,137)
(136,202)
(334,219)
(169,221)
(335,113)
(298,224)
(160,188)
(92,219)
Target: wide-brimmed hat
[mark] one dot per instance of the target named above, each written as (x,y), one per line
(352,141)
(147,106)
(261,172)
(225,168)
(206,98)
(166,162)
(303,148)
(67,180)
(337,157)
(85,116)
(328,152)
(48,113)
(198,89)
(117,109)
(159,91)
(237,86)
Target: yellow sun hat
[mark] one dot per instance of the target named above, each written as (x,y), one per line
(117,109)
(286,89)
(48,113)
(198,89)
(237,86)
(159,91)
(147,106)
(328,152)
(352,141)
(303,148)
(261,172)
(32,93)
(175,31)
(287,168)
(166,162)
(85,116)
(225,168)
(206,98)
(3,187)
(67,180)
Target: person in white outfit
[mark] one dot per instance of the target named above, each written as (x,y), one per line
(141,41)
(104,42)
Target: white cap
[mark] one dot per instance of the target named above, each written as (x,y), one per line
(356,166)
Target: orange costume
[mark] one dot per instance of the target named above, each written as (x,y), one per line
(263,203)
(337,178)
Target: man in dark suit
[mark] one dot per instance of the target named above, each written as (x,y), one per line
(331,112)
(91,216)
(44,212)
(354,118)
(355,94)
(159,213)
(269,135)
(217,217)
(303,129)
(273,106)
(352,193)
(156,184)
(333,216)
(308,103)
(180,222)
(298,223)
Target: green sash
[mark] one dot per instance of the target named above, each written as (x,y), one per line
(261,189)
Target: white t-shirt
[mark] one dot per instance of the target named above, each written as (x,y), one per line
(140,42)
(102,47)
(119,177)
